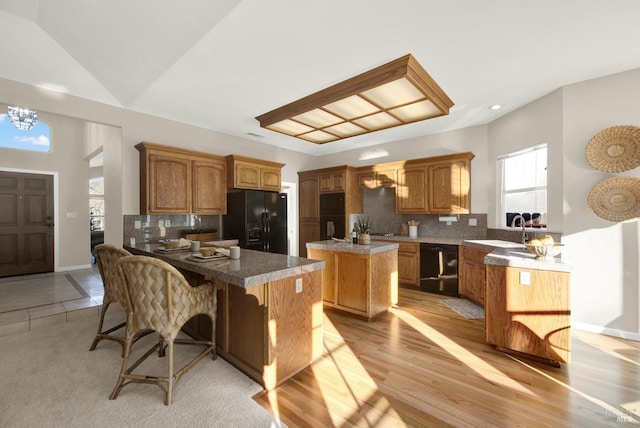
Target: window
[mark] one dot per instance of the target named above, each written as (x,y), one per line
(36,139)
(96,203)
(524,187)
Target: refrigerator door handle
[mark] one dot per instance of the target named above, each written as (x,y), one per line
(266,227)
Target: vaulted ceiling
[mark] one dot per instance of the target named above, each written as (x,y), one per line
(219,64)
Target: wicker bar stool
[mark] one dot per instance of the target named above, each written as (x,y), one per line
(106,256)
(162,300)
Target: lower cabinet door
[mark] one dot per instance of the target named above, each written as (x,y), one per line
(352,276)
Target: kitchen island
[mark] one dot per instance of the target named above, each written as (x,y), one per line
(269,319)
(358,279)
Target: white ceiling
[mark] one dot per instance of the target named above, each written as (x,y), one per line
(219,64)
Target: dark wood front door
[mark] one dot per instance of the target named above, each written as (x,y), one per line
(26,223)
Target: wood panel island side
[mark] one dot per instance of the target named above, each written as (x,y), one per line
(269,320)
(358,279)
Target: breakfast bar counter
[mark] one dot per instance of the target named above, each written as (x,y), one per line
(252,268)
(269,317)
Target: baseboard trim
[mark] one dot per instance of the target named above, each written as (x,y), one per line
(68,268)
(622,334)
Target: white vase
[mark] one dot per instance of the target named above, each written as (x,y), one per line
(413,231)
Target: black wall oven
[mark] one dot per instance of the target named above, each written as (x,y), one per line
(439,269)
(332,217)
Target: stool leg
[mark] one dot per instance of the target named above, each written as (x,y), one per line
(123,370)
(170,374)
(103,310)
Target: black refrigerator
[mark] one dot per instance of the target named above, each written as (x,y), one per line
(257,219)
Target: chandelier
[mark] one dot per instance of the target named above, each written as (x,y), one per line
(23,118)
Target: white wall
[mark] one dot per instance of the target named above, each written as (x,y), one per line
(66,160)
(605,256)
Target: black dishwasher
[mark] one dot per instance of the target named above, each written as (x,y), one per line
(439,269)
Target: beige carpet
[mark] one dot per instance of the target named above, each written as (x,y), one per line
(50,379)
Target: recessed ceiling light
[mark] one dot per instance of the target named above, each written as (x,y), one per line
(495,107)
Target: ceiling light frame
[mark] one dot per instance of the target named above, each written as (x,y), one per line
(323,117)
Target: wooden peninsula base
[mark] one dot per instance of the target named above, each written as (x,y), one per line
(269,315)
(528,308)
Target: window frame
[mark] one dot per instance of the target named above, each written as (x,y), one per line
(504,193)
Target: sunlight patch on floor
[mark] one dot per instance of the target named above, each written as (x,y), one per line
(361,401)
(476,364)
(622,415)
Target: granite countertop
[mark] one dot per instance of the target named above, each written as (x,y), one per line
(348,247)
(492,243)
(515,254)
(253,267)
(420,239)
(522,258)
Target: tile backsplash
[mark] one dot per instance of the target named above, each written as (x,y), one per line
(154,227)
(379,206)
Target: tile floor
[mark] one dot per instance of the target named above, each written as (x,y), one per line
(32,301)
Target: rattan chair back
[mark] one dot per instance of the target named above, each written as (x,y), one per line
(162,300)
(106,257)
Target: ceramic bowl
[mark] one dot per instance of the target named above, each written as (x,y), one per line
(207,251)
(170,245)
(545,252)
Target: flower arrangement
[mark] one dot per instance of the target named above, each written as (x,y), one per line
(364,226)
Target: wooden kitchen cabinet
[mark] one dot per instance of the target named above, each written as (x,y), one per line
(340,179)
(255,174)
(529,311)
(178,181)
(411,190)
(435,185)
(308,211)
(449,184)
(472,280)
(333,182)
(376,176)
(309,198)
(409,263)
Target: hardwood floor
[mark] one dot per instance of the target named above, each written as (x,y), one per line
(423,365)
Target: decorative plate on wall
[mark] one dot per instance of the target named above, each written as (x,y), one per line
(615,149)
(616,199)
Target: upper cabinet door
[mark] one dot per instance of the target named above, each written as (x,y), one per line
(209,186)
(411,191)
(270,178)
(246,176)
(169,184)
(449,186)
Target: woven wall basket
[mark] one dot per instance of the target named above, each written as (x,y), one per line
(616,199)
(615,149)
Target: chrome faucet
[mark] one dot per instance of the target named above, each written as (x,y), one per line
(524,237)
